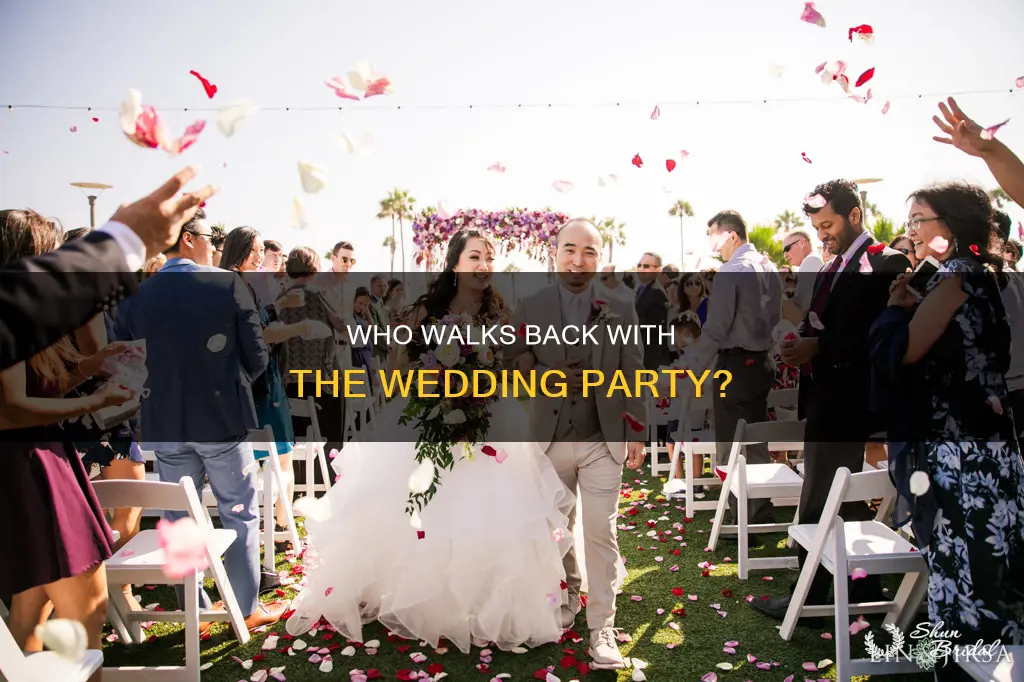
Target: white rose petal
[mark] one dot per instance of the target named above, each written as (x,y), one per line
(216,343)
(919,483)
(348,651)
(298,645)
(313,177)
(299,214)
(455,417)
(230,118)
(67,638)
(422,478)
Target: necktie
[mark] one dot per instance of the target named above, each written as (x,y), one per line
(640,291)
(821,295)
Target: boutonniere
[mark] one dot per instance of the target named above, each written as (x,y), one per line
(600,311)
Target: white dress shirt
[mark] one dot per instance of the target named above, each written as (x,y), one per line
(127,241)
(848,254)
(806,274)
(745,305)
(575,306)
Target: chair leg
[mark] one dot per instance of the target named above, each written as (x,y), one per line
(192,626)
(842,633)
(268,518)
(235,616)
(125,611)
(310,478)
(324,469)
(912,591)
(799,598)
(742,532)
(117,620)
(688,474)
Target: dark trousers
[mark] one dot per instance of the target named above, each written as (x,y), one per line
(1016,400)
(821,462)
(746,397)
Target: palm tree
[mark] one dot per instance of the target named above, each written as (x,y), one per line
(883,229)
(999,197)
(787,220)
(612,233)
(401,208)
(762,238)
(389,242)
(681,209)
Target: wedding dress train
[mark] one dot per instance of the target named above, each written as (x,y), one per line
(489,566)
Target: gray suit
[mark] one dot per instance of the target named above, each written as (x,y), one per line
(585,438)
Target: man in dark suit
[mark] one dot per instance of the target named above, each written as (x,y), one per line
(851,291)
(49,296)
(204,344)
(652,309)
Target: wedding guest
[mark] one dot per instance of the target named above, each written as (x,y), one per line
(669,273)
(217,236)
(741,317)
(1012,253)
(205,349)
(800,253)
(672,294)
(76,233)
(685,332)
(53,523)
(379,314)
(79,279)
(691,295)
(969,523)
(243,253)
(651,308)
(394,300)
(835,383)
(269,283)
(317,354)
(904,245)
(153,265)
(362,355)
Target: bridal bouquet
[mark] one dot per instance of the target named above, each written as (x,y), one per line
(441,422)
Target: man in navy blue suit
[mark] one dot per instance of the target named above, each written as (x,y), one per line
(205,347)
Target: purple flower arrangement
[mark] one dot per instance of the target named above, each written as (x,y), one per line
(515,230)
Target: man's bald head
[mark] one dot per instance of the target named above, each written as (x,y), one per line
(577,252)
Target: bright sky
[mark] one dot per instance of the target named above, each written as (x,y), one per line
(453,54)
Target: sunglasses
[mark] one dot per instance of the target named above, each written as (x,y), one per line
(785,249)
(645,266)
(346,260)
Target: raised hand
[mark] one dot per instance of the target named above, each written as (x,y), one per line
(158,218)
(90,365)
(962,132)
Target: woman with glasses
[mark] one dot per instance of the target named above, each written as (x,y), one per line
(958,473)
(904,245)
(243,253)
(692,296)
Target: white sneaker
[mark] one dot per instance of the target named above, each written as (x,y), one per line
(604,652)
(570,610)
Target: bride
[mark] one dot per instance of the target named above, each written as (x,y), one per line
(488,568)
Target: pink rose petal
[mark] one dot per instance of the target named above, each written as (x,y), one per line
(656,114)
(812,16)
(496,168)
(826,635)
(709,677)
(816,201)
(184,545)
(728,650)
(1019,82)
(858,573)
(858,625)
(562,186)
(761,665)
(810,666)
(636,597)
(732,643)
(885,107)
(990,132)
(815,321)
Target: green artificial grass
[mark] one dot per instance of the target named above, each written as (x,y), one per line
(698,634)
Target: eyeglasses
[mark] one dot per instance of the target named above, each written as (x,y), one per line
(645,266)
(208,235)
(346,260)
(915,223)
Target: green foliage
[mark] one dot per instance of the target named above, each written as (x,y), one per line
(762,237)
(787,220)
(883,229)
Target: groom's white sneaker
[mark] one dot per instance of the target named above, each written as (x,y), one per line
(604,652)
(570,610)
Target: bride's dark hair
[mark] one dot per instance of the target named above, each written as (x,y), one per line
(441,291)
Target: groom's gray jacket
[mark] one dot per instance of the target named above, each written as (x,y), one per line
(544,309)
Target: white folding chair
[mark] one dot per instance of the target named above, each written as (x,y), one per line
(776,482)
(657,417)
(313,447)
(841,547)
(690,443)
(141,562)
(16,666)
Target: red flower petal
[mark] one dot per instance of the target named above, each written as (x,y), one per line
(670,165)
(727,593)
(95,120)
(420,534)
(637,161)
(865,77)
(583,668)
(564,585)
(258,657)
(632,421)
(435,668)
(568,661)
(864,32)
(522,329)
(876,249)
(402,648)
(803,155)
(209,87)
(489,451)
(677,592)
(374,674)
(749,362)
(975,250)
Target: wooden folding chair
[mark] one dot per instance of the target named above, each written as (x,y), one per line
(313,446)
(16,666)
(773,481)
(841,547)
(141,562)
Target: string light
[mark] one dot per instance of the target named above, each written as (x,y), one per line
(536,105)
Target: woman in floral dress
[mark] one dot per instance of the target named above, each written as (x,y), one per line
(954,345)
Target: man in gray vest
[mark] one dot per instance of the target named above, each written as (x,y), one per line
(586,437)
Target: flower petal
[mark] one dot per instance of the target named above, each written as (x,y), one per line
(422,478)
(313,177)
(209,87)
(670,165)
(858,574)
(919,483)
(562,186)
(812,16)
(803,155)
(990,132)
(230,118)
(496,168)
(637,161)
(865,77)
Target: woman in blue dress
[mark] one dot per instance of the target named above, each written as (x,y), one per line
(243,253)
(953,457)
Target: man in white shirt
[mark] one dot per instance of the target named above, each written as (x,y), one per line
(799,252)
(742,312)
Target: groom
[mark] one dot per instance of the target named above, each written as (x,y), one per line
(585,438)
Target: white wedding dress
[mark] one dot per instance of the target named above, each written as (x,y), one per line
(489,566)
